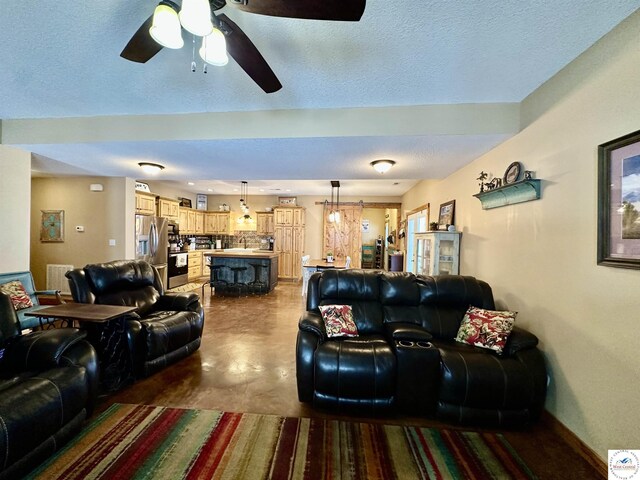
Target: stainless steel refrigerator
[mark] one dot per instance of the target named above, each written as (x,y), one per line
(152,243)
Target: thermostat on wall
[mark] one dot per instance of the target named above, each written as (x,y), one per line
(96,187)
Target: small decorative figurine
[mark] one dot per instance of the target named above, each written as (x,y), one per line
(483,176)
(528,174)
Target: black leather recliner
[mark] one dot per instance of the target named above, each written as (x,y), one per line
(406,355)
(48,385)
(166,327)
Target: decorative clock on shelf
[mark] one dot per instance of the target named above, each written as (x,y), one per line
(512,173)
(52,226)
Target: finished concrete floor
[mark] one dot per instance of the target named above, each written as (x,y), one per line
(246,363)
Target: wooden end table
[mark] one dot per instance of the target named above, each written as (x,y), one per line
(106,331)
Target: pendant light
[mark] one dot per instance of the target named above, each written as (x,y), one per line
(334,213)
(195,16)
(165,27)
(244,206)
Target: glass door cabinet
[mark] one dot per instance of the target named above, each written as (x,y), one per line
(436,253)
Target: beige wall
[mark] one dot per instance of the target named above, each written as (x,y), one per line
(376,224)
(540,257)
(15,193)
(102,214)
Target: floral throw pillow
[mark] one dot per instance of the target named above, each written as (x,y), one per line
(486,328)
(338,321)
(17,293)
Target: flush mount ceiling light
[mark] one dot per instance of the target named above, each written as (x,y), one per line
(382,166)
(150,168)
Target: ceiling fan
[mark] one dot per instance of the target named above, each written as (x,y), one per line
(144,44)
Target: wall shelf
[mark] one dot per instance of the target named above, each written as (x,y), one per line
(518,192)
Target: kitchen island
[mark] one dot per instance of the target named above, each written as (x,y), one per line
(249,258)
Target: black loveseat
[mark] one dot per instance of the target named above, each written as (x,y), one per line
(165,327)
(48,385)
(405,355)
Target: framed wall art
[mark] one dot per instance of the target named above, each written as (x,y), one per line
(52,226)
(446,215)
(619,202)
(287,201)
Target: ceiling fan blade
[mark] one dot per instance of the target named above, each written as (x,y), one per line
(248,57)
(345,10)
(141,48)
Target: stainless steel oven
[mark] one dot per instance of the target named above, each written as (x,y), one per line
(178,269)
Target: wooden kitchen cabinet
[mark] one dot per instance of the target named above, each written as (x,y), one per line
(191,221)
(199,229)
(183,220)
(289,234)
(168,208)
(145,203)
(217,223)
(299,217)
(264,223)
(283,216)
(195,265)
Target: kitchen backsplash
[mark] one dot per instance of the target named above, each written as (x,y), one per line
(205,242)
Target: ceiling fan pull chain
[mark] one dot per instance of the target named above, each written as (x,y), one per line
(193,55)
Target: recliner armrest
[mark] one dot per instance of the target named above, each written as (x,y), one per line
(178,301)
(40,350)
(57,294)
(407,331)
(312,322)
(519,339)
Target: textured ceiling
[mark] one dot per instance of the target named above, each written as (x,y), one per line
(61,59)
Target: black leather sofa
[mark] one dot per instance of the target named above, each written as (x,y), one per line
(48,385)
(166,327)
(405,356)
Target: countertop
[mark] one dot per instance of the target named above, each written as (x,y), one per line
(248,253)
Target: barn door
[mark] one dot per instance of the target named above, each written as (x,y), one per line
(344,238)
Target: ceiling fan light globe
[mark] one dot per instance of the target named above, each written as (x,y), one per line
(195,17)
(214,49)
(165,28)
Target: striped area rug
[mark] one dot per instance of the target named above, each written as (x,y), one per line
(136,441)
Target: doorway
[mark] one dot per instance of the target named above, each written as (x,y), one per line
(416,223)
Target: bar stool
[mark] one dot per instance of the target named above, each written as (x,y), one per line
(257,285)
(237,287)
(214,280)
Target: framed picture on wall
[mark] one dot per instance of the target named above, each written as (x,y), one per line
(619,202)
(287,201)
(52,226)
(447,211)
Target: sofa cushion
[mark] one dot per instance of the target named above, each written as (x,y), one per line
(17,293)
(169,330)
(125,283)
(355,368)
(36,408)
(338,321)
(444,299)
(474,377)
(486,328)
